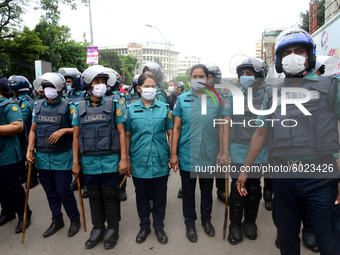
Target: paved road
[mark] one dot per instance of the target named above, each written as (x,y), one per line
(174,227)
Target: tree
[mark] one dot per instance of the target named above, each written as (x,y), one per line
(185,79)
(320,16)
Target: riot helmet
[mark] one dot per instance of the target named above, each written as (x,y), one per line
(325,64)
(93,72)
(215,71)
(19,84)
(72,73)
(154,68)
(50,78)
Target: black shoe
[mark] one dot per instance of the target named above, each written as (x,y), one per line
(180,193)
(235,234)
(277,242)
(6,218)
(85,192)
(21,224)
(95,237)
(55,226)
(310,241)
(33,183)
(74,185)
(221,195)
(74,228)
(191,234)
(161,236)
(122,195)
(250,230)
(151,205)
(268,205)
(142,234)
(110,237)
(208,229)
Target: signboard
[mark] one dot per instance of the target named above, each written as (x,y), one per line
(327,40)
(42,67)
(92,55)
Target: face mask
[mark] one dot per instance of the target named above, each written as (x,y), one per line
(51,93)
(197,83)
(149,93)
(171,89)
(247,81)
(99,90)
(293,64)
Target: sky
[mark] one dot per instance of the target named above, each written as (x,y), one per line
(214,30)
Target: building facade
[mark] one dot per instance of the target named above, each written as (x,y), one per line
(186,63)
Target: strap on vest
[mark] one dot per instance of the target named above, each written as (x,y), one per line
(38,106)
(107,107)
(62,107)
(82,108)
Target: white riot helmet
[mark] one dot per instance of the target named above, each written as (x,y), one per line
(326,64)
(56,79)
(112,76)
(92,72)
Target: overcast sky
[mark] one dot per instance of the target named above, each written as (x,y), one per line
(214,30)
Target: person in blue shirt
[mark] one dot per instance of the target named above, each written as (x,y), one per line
(99,136)
(195,145)
(51,135)
(21,87)
(306,173)
(73,80)
(148,126)
(12,194)
(251,73)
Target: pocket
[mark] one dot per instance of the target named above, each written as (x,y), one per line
(336,210)
(40,140)
(300,131)
(89,143)
(103,138)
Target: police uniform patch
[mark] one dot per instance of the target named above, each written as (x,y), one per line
(175,106)
(121,101)
(22,105)
(170,115)
(72,111)
(118,112)
(14,108)
(75,114)
(227,105)
(125,116)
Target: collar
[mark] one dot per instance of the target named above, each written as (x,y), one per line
(310,76)
(22,95)
(101,102)
(265,85)
(3,98)
(55,103)
(141,104)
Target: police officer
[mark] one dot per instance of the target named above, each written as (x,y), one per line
(100,137)
(112,91)
(12,194)
(194,144)
(174,92)
(148,123)
(251,73)
(21,87)
(73,82)
(51,135)
(157,71)
(307,143)
(133,95)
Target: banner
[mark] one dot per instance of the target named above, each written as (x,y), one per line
(92,55)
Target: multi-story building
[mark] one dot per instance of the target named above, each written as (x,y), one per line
(151,52)
(186,63)
(258,49)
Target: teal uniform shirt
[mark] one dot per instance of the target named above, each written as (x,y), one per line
(25,107)
(11,153)
(198,142)
(57,160)
(149,149)
(100,164)
(160,96)
(238,152)
(122,103)
(75,94)
(267,124)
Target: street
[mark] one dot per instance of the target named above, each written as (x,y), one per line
(10,243)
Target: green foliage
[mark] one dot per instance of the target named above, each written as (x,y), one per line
(185,79)
(164,85)
(320,16)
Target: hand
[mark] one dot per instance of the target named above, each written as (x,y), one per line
(241,182)
(55,136)
(222,160)
(124,166)
(28,156)
(173,163)
(76,169)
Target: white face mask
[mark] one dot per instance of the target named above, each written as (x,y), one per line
(51,93)
(171,89)
(148,93)
(99,90)
(293,64)
(197,83)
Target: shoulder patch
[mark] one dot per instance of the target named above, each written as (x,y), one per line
(72,111)
(75,114)
(14,108)
(126,116)
(227,105)
(170,115)
(121,101)
(118,112)
(175,106)
(22,105)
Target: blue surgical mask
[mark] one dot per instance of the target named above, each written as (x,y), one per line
(247,81)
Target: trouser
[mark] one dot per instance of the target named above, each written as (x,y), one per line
(158,187)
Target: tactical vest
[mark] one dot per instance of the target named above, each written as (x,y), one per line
(49,121)
(98,133)
(313,134)
(131,98)
(2,137)
(242,132)
(114,96)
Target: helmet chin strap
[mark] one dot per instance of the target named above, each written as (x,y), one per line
(299,75)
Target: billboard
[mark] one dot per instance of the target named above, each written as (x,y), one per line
(92,55)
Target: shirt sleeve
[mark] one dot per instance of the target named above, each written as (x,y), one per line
(177,111)
(169,120)
(25,109)
(33,113)
(75,117)
(122,103)
(261,119)
(119,114)
(71,110)
(13,113)
(228,107)
(127,123)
